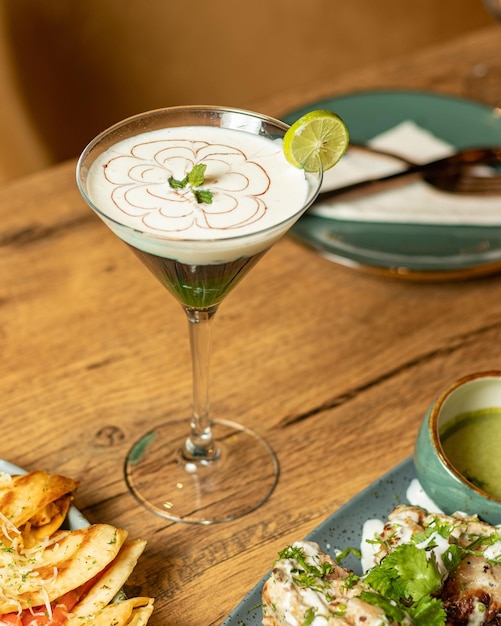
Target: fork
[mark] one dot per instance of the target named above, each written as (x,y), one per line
(462,173)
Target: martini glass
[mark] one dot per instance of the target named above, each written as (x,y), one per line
(198,238)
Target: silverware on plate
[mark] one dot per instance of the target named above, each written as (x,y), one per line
(469,171)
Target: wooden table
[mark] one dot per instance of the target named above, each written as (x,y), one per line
(334,367)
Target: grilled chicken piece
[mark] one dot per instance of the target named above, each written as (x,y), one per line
(403,522)
(310,587)
(293,594)
(472,593)
(406,520)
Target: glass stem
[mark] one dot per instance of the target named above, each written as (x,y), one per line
(200,445)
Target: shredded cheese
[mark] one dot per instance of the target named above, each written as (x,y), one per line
(19,567)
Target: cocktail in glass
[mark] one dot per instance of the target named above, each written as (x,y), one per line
(199,194)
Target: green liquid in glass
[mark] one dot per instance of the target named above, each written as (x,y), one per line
(197,286)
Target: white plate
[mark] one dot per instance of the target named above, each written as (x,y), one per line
(74,519)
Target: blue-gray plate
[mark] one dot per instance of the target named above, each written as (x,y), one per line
(343,529)
(416,251)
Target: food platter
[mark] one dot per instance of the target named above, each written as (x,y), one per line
(56,562)
(74,519)
(342,529)
(408,250)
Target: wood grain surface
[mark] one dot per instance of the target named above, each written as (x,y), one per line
(335,367)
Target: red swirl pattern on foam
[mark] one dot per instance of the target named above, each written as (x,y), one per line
(141,189)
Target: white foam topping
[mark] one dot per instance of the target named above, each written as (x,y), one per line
(255,194)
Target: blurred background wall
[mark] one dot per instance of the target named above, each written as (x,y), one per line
(69,68)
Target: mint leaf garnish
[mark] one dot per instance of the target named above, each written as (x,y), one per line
(203,196)
(197,175)
(195,179)
(178,184)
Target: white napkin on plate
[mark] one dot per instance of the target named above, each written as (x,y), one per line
(415,202)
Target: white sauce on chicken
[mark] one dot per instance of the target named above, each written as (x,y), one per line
(470,592)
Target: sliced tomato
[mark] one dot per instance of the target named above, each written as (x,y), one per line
(11,619)
(40,617)
(60,609)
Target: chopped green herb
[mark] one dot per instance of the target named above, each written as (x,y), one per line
(405,581)
(203,196)
(197,175)
(309,616)
(437,526)
(346,552)
(428,612)
(297,554)
(351,580)
(178,184)
(406,572)
(195,179)
(391,610)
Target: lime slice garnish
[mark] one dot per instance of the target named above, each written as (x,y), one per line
(317,139)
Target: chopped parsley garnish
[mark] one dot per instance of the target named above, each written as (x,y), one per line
(346,552)
(437,526)
(405,582)
(309,616)
(405,573)
(310,571)
(195,180)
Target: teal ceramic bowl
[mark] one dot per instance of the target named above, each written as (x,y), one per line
(472,396)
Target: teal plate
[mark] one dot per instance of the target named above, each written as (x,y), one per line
(421,252)
(343,529)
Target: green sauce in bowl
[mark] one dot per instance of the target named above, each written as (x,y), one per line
(472,443)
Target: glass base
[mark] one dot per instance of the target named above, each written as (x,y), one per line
(484,84)
(241,479)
